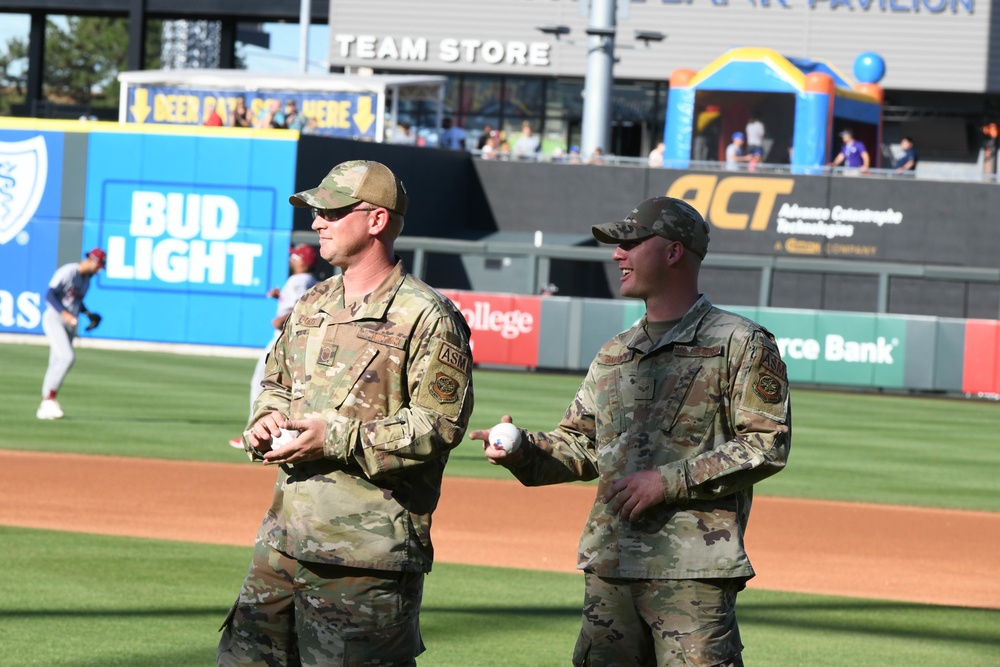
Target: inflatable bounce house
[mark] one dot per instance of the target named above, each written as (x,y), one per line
(803,104)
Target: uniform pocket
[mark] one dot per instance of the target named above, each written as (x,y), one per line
(713,644)
(389,645)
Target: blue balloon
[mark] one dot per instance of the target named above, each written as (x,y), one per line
(869,67)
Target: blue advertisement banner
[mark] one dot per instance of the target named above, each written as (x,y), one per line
(349,115)
(30,201)
(197,229)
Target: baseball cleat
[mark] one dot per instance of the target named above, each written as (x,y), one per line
(49,409)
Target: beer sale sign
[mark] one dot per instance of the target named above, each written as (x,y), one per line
(504,326)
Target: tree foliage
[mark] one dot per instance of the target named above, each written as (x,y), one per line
(13,73)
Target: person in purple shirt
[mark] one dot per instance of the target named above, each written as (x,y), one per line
(853,154)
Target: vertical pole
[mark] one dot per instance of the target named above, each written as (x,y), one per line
(304,20)
(137,35)
(599,77)
(36,62)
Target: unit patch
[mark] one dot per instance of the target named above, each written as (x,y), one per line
(444,388)
(769,388)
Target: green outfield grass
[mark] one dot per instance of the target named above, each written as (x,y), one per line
(859,447)
(76,600)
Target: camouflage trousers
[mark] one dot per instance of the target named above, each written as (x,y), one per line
(659,622)
(292,613)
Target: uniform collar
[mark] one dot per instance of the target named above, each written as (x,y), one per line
(685,331)
(378,301)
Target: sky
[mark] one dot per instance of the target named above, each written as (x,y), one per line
(282,57)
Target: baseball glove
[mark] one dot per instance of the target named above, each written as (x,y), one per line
(95,320)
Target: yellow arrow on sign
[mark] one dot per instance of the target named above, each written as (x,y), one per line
(140,107)
(364,116)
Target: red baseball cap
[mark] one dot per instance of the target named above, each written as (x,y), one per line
(99,255)
(306,253)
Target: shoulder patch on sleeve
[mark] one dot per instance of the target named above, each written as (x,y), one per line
(766,385)
(445,381)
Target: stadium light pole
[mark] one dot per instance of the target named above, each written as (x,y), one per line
(305,19)
(599,78)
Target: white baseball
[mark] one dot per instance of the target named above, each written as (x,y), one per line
(505,436)
(285,437)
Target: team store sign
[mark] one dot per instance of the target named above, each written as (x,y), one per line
(449,50)
(504,327)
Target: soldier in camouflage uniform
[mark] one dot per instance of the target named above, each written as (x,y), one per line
(677,418)
(373,369)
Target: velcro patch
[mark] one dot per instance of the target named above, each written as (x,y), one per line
(310,321)
(686,351)
(449,355)
(616,359)
(327,354)
(392,340)
(444,388)
(772,362)
(770,388)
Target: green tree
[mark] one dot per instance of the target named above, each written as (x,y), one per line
(13,73)
(83,58)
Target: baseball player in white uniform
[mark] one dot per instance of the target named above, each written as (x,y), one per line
(300,262)
(64,303)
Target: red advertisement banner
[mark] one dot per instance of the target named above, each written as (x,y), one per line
(504,326)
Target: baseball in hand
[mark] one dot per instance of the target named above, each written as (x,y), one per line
(285,437)
(505,436)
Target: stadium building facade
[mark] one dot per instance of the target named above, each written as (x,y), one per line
(510,61)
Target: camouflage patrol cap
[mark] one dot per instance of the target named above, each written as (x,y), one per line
(355,181)
(671,218)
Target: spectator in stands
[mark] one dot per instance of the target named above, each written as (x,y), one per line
(403,135)
(270,115)
(527,145)
(241,115)
(574,154)
(853,154)
(484,137)
(597,156)
(736,154)
(292,118)
(990,132)
(212,117)
(907,163)
(656,155)
(452,137)
(755,136)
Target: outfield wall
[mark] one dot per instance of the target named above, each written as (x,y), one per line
(197,228)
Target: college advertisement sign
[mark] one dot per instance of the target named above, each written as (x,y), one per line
(504,326)
(197,229)
(30,212)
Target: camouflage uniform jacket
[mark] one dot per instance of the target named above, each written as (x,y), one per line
(393,383)
(707,406)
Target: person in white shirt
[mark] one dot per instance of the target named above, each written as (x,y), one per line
(755,136)
(301,259)
(527,144)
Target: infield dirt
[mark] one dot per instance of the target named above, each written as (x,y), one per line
(860,550)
